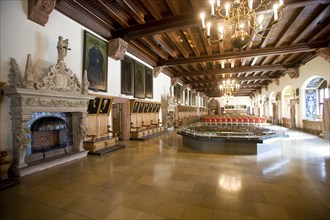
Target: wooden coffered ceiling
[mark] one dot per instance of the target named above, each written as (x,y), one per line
(167,34)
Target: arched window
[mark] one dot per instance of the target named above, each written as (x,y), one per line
(316,92)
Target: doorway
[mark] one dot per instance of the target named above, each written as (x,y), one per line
(117,119)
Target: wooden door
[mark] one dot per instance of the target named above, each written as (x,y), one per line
(116,119)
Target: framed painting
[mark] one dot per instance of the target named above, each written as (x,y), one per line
(139,80)
(149,83)
(95,61)
(93,106)
(127,75)
(105,106)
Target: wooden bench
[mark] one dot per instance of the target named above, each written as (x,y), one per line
(102,141)
(146,130)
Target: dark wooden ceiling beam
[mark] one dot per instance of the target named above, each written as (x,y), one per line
(191,41)
(135,49)
(153,46)
(173,6)
(165,45)
(111,11)
(311,25)
(80,14)
(150,5)
(176,41)
(235,70)
(157,27)
(253,53)
(132,10)
(237,79)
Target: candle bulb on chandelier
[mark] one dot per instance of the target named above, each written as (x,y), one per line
(251,4)
(208,28)
(212,7)
(227,8)
(218,3)
(202,15)
(220,30)
(275,7)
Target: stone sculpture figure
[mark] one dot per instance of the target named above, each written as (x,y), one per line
(62,48)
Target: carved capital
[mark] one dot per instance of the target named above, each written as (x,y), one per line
(157,71)
(39,10)
(293,72)
(324,53)
(117,48)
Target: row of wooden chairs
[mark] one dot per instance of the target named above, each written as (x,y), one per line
(234,120)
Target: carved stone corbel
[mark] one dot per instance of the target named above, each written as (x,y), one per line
(157,71)
(117,48)
(174,81)
(324,53)
(39,10)
(293,72)
(276,81)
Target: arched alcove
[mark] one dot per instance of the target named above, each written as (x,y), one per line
(314,91)
(287,94)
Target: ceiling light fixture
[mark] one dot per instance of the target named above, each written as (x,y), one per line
(239,20)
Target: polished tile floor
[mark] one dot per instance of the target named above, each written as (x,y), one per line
(161,179)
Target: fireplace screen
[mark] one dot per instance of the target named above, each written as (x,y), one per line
(49,133)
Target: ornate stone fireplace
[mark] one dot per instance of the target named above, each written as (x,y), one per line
(39,100)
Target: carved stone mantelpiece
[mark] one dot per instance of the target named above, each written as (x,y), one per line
(24,102)
(39,10)
(117,48)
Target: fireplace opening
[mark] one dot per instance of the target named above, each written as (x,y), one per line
(49,134)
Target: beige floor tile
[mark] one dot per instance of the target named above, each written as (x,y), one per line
(73,216)
(278,199)
(284,189)
(150,217)
(79,204)
(299,214)
(167,194)
(147,180)
(184,186)
(189,198)
(148,205)
(124,213)
(309,204)
(49,213)
(126,199)
(171,209)
(99,210)
(270,211)
(195,212)
(214,202)
(63,199)
(225,215)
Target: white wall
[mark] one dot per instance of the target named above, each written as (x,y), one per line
(316,67)
(237,100)
(20,36)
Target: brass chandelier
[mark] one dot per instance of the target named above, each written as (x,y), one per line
(229,87)
(240,20)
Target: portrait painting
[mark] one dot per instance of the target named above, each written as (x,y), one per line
(95,62)
(93,106)
(135,107)
(149,83)
(105,106)
(154,108)
(139,80)
(127,75)
(158,108)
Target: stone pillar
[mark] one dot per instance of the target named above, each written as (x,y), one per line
(79,121)
(21,139)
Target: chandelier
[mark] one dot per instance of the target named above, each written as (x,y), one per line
(240,21)
(229,87)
